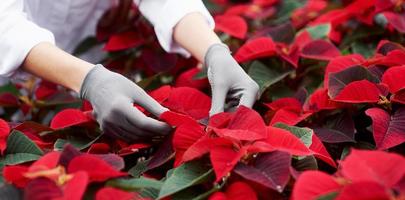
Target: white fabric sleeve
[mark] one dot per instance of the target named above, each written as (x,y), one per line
(18,36)
(165,14)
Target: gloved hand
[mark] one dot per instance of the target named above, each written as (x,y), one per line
(112,97)
(228,80)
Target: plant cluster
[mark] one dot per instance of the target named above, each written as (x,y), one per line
(329,122)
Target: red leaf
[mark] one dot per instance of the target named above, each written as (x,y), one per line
(312,184)
(9,99)
(4,132)
(283,140)
(396,20)
(247,119)
(319,100)
(362,91)
(69,117)
(394,77)
(49,161)
(375,166)
(245,135)
(185,136)
(176,119)
(256,48)
(75,187)
(244,124)
(15,175)
(124,40)
(220,120)
(270,169)
(320,151)
(240,191)
(231,24)
(340,63)
(288,117)
(186,79)
(398,97)
(45,89)
(161,94)
(218,196)
(189,101)
(320,50)
(199,148)
(388,131)
(133,148)
(393,58)
(108,193)
(289,103)
(364,191)
(99,148)
(97,169)
(42,189)
(224,157)
(385,46)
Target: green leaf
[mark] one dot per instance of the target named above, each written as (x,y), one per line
(320,31)
(287,7)
(304,134)
(200,75)
(18,158)
(185,176)
(11,88)
(78,142)
(140,167)
(17,142)
(265,76)
(329,196)
(365,49)
(135,184)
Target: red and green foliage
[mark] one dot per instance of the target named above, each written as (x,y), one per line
(329,122)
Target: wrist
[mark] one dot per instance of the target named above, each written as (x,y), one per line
(215,51)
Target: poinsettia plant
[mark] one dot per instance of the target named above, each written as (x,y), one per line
(329,122)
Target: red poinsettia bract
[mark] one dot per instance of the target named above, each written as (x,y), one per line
(362,175)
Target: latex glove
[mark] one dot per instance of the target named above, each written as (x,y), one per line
(228,80)
(112,97)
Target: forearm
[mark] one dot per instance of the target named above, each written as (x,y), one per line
(194,34)
(49,62)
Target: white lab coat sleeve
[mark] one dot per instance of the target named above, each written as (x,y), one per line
(18,36)
(165,14)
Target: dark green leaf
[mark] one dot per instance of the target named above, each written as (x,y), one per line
(10,88)
(329,196)
(18,158)
(265,76)
(185,176)
(17,142)
(285,10)
(140,167)
(135,184)
(77,142)
(365,49)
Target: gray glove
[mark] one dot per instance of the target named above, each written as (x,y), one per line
(228,80)
(112,97)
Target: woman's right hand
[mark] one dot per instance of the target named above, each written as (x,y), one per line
(112,97)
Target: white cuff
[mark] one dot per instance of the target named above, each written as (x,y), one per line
(168,15)
(18,40)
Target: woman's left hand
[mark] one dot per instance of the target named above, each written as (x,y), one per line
(227,79)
